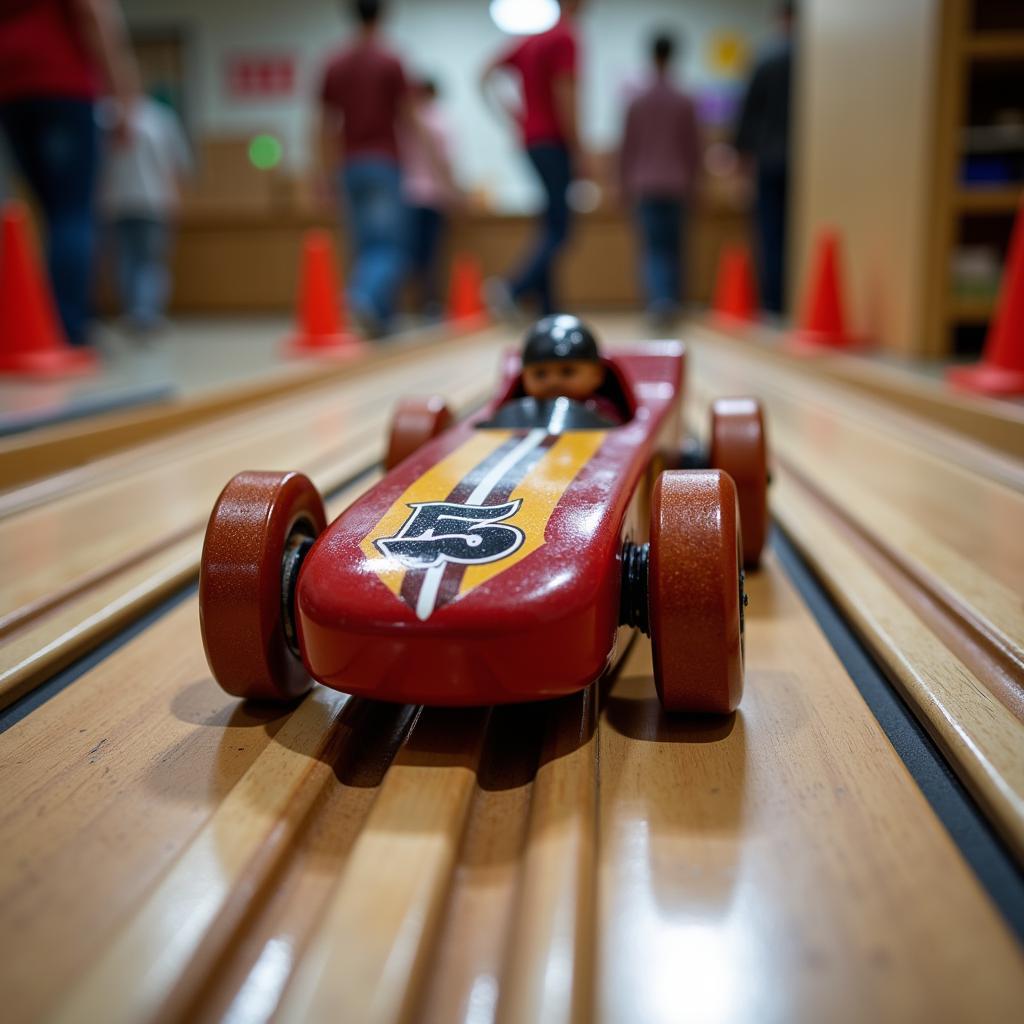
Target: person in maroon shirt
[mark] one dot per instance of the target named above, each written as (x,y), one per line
(659,162)
(546,66)
(55,58)
(364,96)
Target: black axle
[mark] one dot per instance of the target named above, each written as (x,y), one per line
(291,562)
(633,600)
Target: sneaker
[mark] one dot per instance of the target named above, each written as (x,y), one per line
(501,302)
(663,316)
(368,324)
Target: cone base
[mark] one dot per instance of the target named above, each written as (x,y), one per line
(330,346)
(987,379)
(54,362)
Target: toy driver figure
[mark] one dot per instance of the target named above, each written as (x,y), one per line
(561,360)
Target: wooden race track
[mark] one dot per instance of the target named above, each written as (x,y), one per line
(168,853)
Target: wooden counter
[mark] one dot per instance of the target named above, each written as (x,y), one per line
(247,260)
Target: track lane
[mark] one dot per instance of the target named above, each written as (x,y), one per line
(782,865)
(893,529)
(747,869)
(756,861)
(53,627)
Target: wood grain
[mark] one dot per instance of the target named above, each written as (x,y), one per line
(782,866)
(748,868)
(999,425)
(975,719)
(922,553)
(169,854)
(127,541)
(173,488)
(58,452)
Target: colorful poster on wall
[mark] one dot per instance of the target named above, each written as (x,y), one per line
(260,76)
(727,54)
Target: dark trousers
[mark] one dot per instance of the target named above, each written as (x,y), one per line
(144,281)
(426,228)
(55,144)
(372,189)
(553,165)
(662,229)
(772,188)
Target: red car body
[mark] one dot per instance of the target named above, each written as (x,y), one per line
(486,567)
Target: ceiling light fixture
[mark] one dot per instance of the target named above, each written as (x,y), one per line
(524,17)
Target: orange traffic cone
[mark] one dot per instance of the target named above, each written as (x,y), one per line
(824,320)
(465,299)
(31,339)
(321,318)
(1001,370)
(735,299)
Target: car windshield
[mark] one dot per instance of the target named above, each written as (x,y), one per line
(555,415)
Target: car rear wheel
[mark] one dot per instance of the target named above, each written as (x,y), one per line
(739,447)
(260,530)
(695,592)
(415,421)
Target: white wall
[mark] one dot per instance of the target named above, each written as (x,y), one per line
(448,39)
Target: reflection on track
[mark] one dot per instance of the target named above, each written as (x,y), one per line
(166,850)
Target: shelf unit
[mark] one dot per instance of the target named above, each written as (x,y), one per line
(960,208)
(987,200)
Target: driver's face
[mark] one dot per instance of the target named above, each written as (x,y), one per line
(570,378)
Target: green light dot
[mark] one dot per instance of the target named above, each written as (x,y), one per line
(264,152)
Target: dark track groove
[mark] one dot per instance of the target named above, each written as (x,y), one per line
(965,822)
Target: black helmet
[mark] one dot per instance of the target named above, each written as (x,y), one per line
(560,337)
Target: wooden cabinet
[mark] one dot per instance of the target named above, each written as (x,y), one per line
(247,259)
(979,168)
(910,139)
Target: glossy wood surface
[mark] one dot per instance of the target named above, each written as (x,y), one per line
(61,458)
(220,858)
(132,529)
(167,853)
(997,424)
(917,534)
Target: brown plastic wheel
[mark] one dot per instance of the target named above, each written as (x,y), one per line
(738,446)
(415,421)
(258,516)
(695,592)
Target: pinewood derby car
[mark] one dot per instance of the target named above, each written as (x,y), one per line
(502,558)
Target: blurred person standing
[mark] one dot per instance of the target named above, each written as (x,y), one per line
(659,162)
(430,192)
(140,195)
(364,98)
(56,56)
(547,67)
(762,140)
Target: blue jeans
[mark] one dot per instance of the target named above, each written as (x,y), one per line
(553,165)
(55,145)
(143,279)
(372,190)
(662,224)
(772,188)
(425,229)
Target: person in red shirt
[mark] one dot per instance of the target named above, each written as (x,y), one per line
(364,97)
(547,68)
(659,162)
(55,58)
